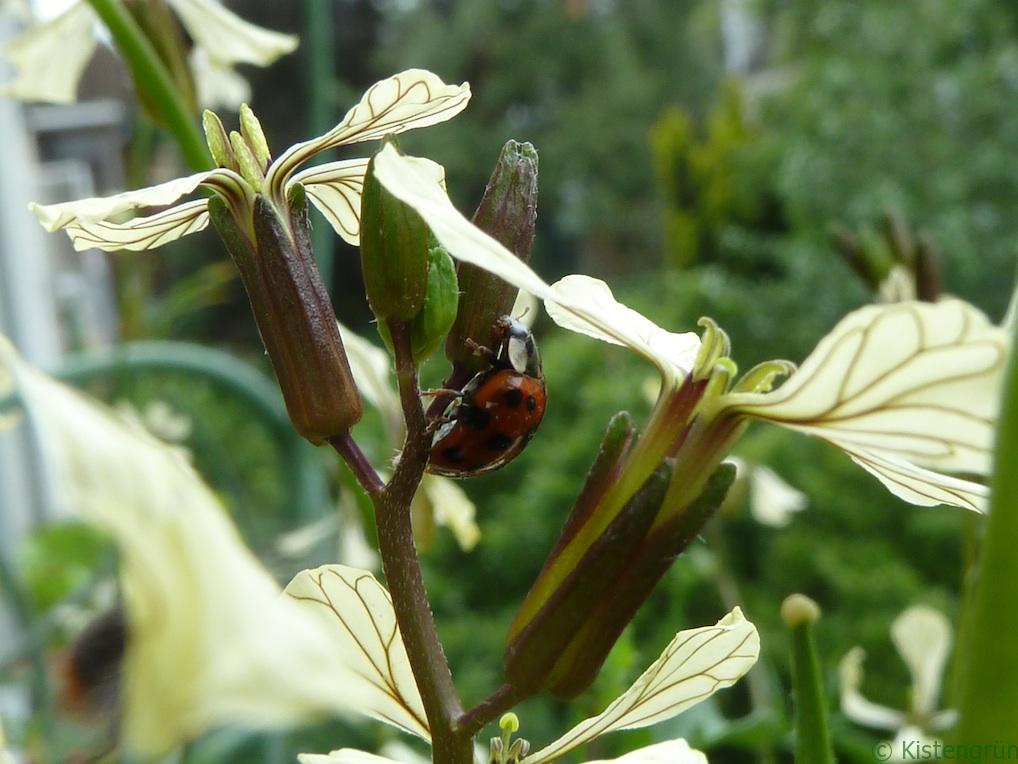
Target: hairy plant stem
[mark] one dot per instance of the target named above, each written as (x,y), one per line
(493,706)
(403,571)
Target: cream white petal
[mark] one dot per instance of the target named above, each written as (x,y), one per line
(581,304)
(917,485)
(335,189)
(695,665)
(406,101)
(54,217)
(212,639)
(359,612)
(621,325)
(227,37)
(140,233)
(854,705)
(453,509)
(344,756)
(923,638)
(772,501)
(911,381)
(669,752)
(50,57)
(218,85)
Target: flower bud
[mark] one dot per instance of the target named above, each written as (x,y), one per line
(580,661)
(251,130)
(217,141)
(432,324)
(508,213)
(294,315)
(394,253)
(250,169)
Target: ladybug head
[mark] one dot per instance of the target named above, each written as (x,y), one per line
(516,346)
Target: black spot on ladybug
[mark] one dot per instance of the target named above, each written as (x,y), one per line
(499,443)
(476,417)
(531,403)
(513,397)
(453,454)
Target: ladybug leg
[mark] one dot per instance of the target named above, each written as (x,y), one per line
(436,391)
(437,422)
(487,354)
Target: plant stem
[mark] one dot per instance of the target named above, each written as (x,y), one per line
(358,463)
(150,76)
(812,735)
(988,669)
(500,701)
(403,571)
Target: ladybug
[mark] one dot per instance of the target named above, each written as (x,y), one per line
(497,412)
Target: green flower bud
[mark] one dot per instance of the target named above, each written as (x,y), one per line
(251,129)
(432,324)
(250,169)
(294,314)
(394,253)
(507,212)
(217,141)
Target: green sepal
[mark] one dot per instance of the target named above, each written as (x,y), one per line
(508,213)
(293,313)
(394,252)
(582,658)
(533,653)
(430,327)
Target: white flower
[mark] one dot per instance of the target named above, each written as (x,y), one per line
(211,639)
(414,98)
(906,390)
(222,40)
(696,664)
(772,501)
(923,638)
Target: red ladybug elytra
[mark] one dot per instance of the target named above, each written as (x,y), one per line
(497,412)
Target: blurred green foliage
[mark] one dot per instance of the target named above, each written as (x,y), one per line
(694,193)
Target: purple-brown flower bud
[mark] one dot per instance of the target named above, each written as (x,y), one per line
(294,314)
(508,213)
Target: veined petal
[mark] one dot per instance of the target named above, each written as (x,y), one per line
(211,639)
(917,485)
(51,57)
(408,100)
(913,381)
(55,217)
(359,612)
(854,705)
(580,304)
(335,189)
(923,638)
(695,665)
(142,232)
(669,752)
(227,37)
(621,325)
(344,756)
